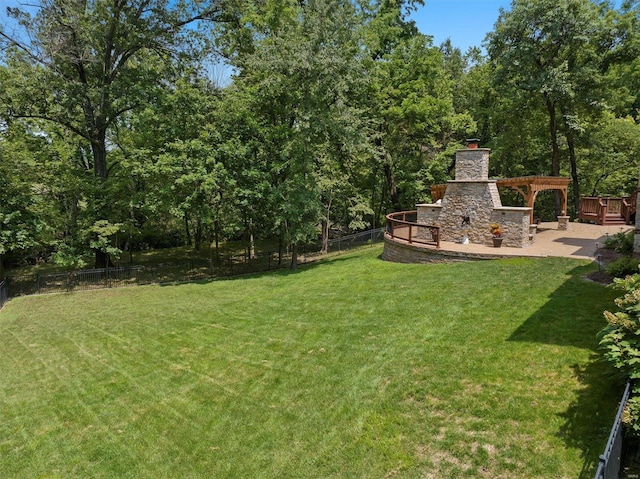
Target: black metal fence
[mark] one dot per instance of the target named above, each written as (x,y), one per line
(83,280)
(357,239)
(609,461)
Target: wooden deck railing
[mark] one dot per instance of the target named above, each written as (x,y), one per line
(404,226)
(604,210)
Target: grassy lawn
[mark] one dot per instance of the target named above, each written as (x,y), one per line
(349,368)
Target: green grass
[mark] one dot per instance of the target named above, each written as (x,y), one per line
(349,368)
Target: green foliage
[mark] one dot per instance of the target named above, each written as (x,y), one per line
(611,160)
(620,341)
(101,237)
(27,222)
(631,413)
(80,69)
(68,255)
(419,127)
(303,82)
(551,65)
(623,267)
(622,242)
(336,113)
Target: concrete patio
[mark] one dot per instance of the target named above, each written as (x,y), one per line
(580,240)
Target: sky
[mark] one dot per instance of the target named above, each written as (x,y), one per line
(465,22)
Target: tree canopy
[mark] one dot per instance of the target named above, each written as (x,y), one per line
(114,137)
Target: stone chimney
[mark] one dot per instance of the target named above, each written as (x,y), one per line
(470,199)
(472,164)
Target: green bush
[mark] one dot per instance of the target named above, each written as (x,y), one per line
(622,242)
(623,267)
(620,341)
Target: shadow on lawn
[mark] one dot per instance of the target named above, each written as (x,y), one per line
(589,418)
(572,316)
(281,270)
(568,318)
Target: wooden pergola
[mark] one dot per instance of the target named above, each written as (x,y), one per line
(527,186)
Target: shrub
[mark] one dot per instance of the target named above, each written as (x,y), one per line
(620,341)
(622,242)
(623,267)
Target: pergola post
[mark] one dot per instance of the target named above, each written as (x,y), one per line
(536,184)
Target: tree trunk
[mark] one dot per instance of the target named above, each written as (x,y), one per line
(98,133)
(198,234)
(294,257)
(571,146)
(216,229)
(326,224)
(381,204)
(99,150)
(555,149)
(374,182)
(325,236)
(574,172)
(391,184)
(252,244)
(186,229)
(102,260)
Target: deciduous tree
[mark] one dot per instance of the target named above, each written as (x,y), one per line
(84,64)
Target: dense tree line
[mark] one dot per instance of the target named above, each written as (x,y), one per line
(113,136)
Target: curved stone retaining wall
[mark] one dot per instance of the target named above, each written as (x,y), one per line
(400,252)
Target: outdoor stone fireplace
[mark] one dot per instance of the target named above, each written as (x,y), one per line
(471,203)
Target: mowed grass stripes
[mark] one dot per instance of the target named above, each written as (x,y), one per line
(349,368)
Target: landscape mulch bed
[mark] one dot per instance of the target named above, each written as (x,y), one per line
(606,256)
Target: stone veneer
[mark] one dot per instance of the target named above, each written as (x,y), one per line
(472,202)
(515,225)
(472,164)
(398,252)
